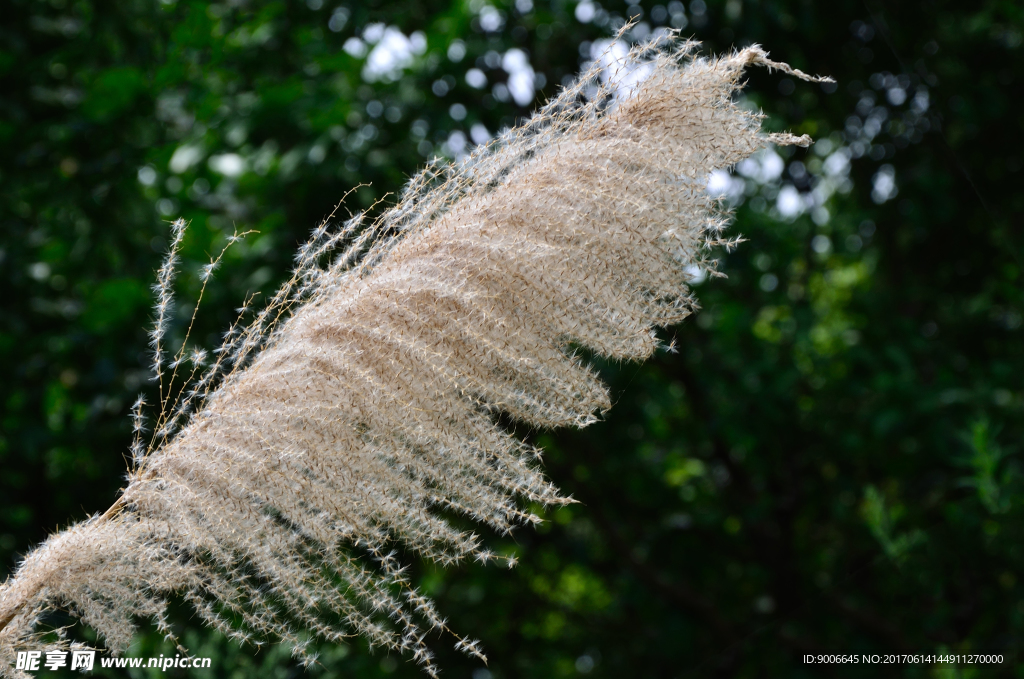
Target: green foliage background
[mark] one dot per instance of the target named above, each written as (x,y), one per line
(831,461)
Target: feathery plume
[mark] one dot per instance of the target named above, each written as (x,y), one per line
(363,397)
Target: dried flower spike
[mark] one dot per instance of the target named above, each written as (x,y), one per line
(363,397)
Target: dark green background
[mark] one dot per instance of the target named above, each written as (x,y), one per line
(828,464)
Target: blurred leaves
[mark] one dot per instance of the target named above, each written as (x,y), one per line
(882,520)
(112,93)
(989,477)
(114,302)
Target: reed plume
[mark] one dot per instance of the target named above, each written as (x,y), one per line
(360,405)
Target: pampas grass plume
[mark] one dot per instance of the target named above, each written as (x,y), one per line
(363,397)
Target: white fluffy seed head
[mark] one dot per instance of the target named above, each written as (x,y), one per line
(346,425)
